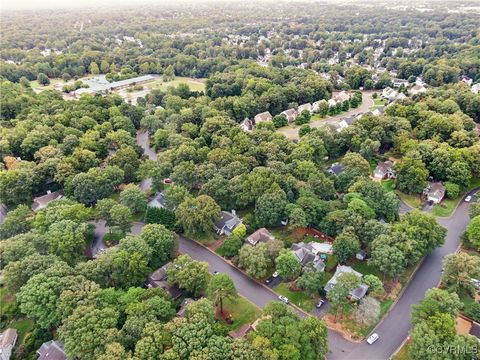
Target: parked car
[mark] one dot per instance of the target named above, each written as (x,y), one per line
(275,274)
(216,272)
(283,299)
(372,338)
(320,303)
(468,198)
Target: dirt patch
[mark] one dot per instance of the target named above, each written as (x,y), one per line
(392,289)
(217,243)
(337,326)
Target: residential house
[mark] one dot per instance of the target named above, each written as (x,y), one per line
(384,170)
(228,221)
(475,88)
(316,105)
(355,294)
(379,110)
(417,89)
(434,192)
(261,235)
(389,93)
(400,96)
(345,122)
(331,102)
(335,169)
(341,97)
(158,279)
(290,114)
(41,202)
(303,107)
(7,342)
(262,117)
(246,125)
(306,255)
(399,82)
(159,201)
(183,306)
(466,80)
(51,350)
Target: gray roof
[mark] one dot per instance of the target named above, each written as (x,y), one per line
(261,235)
(51,350)
(228,220)
(158,201)
(357,293)
(8,338)
(41,202)
(336,169)
(305,255)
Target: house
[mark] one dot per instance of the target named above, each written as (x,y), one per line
(51,350)
(417,89)
(389,94)
(305,107)
(290,114)
(246,125)
(7,342)
(331,103)
(335,169)
(41,202)
(159,201)
(399,82)
(261,235)
(384,170)
(434,192)
(341,97)
(316,105)
(345,122)
(355,294)
(306,255)
(379,110)
(183,306)
(475,88)
(262,117)
(466,80)
(361,255)
(158,279)
(228,221)
(400,96)
(241,332)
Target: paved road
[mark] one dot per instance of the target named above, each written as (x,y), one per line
(395,326)
(367,103)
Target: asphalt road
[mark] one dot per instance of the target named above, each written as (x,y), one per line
(394,328)
(367,103)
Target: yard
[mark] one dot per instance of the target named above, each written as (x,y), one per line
(242,312)
(388,184)
(298,298)
(379,102)
(194,84)
(413,200)
(35,85)
(402,353)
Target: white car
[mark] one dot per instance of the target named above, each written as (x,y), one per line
(283,299)
(468,198)
(372,338)
(275,274)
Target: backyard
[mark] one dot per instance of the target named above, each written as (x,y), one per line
(242,312)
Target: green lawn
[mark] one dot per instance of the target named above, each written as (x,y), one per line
(23,327)
(373,164)
(316,117)
(194,84)
(379,102)
(242,311)
(35,85)
(413,200)
(447,206)
(365,269)
(298,298)
(388,184)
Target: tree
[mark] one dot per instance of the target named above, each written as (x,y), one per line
(387,258)
(174,196)
(87,331)
(270,207)
(153,343)
(169,73)
(198,215)
(94,70)
(287,265)
(473,232)
(368,311)
(436,301)
(189,274)
(231,246)
(311,281)
(161,241)
(43,79)
(254,260)
(120,218)
(453,190)
(66,240)
(459,173)
(337,296)
(220,288)
(411,175)
(459,269)
(16,222)
(346,245)
(280,121)
(375,285)
(133,198)
(16,186)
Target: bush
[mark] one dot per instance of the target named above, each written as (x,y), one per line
(472,310)
(304,129)
(231,246)
(453,190)
(162,216)
(279,121)
(303,118)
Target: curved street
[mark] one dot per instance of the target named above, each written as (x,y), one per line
(394,328)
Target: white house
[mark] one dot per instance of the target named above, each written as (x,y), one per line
(246,125)
(262,117)
(303,107)
(7,342)
(476,88)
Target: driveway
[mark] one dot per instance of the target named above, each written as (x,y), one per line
(142,141)
(367,103)
(100,230)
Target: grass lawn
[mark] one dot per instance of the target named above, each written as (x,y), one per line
(447,206)
(316,117)
(298,298)
(373,164)
(242,311)
(23,327)
(194,84)
(413,200)
(35,85)
(365,269)
(112,239)
(379,102)
(402,353)
(388,184)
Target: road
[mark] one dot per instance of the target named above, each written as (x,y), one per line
(394,327)
(367,103)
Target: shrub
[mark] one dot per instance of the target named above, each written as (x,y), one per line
(162,216)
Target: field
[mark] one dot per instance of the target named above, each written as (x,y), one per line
(413,200)
(35,85)
(379,102)
(194,84)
